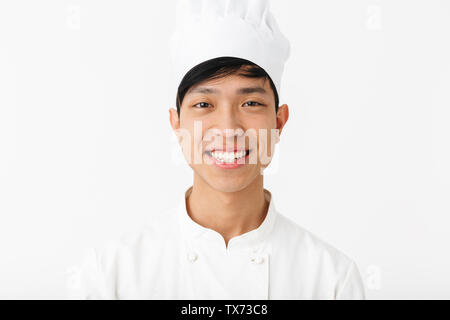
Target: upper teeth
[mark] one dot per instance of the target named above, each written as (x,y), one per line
(228,156)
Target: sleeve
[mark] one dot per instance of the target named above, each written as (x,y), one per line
(353,287)
(86,281)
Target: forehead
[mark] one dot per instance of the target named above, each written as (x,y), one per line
(232,84)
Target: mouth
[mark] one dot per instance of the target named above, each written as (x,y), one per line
(227,156)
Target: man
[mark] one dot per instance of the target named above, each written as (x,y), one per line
(225,239)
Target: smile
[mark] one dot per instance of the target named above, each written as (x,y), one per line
(227,157)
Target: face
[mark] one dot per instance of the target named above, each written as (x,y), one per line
(233,113)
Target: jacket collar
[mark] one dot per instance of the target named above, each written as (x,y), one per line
(251,239)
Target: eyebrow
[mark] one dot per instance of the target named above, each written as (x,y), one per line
(240,91)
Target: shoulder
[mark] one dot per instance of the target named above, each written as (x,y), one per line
(322,258)
(95,275)
(298,237)
(155,231)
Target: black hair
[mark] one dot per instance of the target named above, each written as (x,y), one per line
(218,68)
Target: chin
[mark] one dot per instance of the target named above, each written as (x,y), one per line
(229,188)
(233,184)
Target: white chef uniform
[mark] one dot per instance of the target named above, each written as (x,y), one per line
(173,257)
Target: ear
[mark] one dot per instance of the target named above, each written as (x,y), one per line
(174,120)
(282,117)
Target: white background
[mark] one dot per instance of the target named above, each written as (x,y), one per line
(87,153)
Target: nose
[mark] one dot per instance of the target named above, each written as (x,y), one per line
(228,126)
(230,137)
(228,120)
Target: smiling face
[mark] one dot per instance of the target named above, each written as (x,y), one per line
(232,113)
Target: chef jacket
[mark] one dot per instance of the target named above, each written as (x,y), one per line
(173,257)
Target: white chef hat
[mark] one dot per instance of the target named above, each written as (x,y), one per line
(207,29)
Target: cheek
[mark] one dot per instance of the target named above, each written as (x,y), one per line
(267,139)
(263,123)
(185,142)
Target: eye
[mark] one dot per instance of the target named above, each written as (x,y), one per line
(201,103)
(254,103)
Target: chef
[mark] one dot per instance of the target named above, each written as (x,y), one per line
(224,238)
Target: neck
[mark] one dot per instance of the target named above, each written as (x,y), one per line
(228,213)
